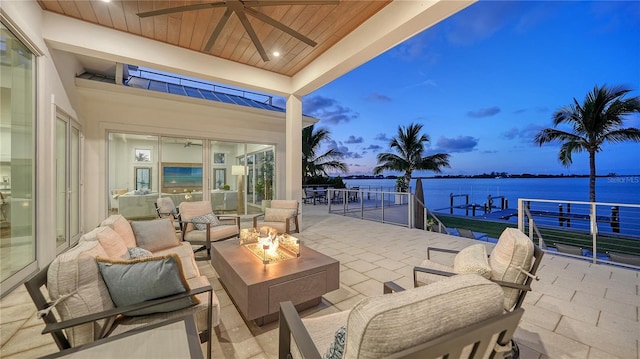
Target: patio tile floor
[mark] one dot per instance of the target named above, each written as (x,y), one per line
(576,310)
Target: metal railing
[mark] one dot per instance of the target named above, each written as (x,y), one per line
(602,232)
(386,207)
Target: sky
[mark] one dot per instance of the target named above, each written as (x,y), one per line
(483,82)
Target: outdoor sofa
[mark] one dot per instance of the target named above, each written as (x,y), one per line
(120,276)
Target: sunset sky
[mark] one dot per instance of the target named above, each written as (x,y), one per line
(484,82)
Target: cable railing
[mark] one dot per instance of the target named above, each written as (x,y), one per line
(600,232)
(606,233)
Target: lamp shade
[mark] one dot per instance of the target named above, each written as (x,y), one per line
(238,170)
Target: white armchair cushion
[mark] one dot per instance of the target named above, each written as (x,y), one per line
(512,255)
(380,326)
(472,259)
(278,214)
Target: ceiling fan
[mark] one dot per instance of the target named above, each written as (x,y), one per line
(242,8)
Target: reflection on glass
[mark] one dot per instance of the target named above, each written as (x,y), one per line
(17,175)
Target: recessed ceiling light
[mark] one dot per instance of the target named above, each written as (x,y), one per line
(276,53)
(106,0)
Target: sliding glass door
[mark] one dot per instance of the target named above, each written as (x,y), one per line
(17,157)
(67,181)
(143,168)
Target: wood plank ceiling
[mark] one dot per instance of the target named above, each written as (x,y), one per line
(324,24)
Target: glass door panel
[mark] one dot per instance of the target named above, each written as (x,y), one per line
(61,182)
(17,155)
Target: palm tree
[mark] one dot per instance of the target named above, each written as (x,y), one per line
(409,147)
(313,163)
(597,120)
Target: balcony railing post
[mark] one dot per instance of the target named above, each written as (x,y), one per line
(410,207)
(594,230)
(520,214)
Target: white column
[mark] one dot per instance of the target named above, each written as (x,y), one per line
(293,154)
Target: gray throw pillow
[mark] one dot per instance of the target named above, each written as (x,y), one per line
(139,280)
(336,349)
(200,222)
(155,235)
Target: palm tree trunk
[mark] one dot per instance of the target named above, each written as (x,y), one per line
(592,176)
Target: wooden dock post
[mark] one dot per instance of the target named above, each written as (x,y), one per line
(615,219)
(560,217)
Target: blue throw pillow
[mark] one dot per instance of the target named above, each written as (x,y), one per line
(139,280)
(200,222)
(336,349)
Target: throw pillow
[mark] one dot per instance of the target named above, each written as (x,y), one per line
(139,280)
(336,349)
(155,235)
(200,222)
(137,252)
(278,214)
(472,259)
(112,243)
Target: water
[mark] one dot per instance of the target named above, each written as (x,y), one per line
(625,190)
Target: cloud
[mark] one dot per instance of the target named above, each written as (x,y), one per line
(484,112)
(374,148)
(481,21)
(381,137)
(353,139)
(328,110)
(526,134)
(416,48)
(458,144)
(378,97)
(517,112)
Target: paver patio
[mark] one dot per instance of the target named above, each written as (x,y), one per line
(576,310)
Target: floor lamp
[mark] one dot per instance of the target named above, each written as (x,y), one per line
(240,171)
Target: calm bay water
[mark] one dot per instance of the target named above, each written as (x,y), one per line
(436,191)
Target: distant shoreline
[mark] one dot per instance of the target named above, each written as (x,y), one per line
(485,176)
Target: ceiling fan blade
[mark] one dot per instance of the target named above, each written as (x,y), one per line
(290,2)
(218,29)
(275,23)
(172,10)
(252,34)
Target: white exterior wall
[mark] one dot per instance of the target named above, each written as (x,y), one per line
(146,112)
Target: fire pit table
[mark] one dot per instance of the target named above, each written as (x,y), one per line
(257,288)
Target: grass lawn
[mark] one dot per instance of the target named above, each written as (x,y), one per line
(605,242)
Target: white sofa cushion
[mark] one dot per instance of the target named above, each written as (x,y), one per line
(512,255)
(185,251)
(75,273)
(121,225)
